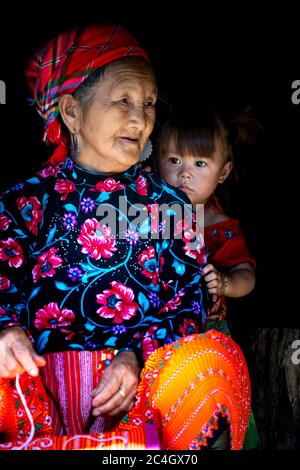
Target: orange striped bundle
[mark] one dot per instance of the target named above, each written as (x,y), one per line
(192,382)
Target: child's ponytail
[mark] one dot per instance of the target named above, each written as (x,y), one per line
(244,128)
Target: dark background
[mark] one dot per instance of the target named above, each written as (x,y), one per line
(226,57)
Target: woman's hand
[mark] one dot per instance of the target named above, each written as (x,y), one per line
(115,393)
(17,354)
(214,279)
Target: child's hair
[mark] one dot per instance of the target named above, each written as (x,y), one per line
(196,134)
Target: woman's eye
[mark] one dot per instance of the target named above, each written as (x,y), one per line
(149,103)
(124,100)
(200,164)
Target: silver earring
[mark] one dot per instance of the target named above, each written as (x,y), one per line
(75,149)
(147,151)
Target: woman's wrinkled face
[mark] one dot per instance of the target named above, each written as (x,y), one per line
(115,127)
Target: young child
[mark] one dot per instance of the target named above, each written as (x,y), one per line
(195,155)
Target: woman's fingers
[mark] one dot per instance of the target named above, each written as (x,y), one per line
(112,390)
(9,366)
(17,354)
(117,387)
(26,356)
(105,390)
(116,405)
(116,390)
(39,360)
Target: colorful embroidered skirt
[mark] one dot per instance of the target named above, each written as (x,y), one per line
(186,388)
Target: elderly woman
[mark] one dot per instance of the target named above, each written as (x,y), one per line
(101,322)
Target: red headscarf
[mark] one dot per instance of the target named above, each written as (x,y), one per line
(64,63)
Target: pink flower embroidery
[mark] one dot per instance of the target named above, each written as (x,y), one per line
(149,343)
(153,210)
(47,262)
(108,185)
(174,303)
(97,241)
(4,282)
(183,225)
(31,212)
(11,251)
(52,317)
(117,303)
(189,327)
(50,170)
(148,260)
(64,187)
(194,246)
(141,186)
(4,222)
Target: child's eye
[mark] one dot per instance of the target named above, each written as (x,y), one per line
(200,163)
(174,160)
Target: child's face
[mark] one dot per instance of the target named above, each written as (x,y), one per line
(196,176)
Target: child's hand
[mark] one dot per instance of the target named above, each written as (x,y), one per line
(215,280)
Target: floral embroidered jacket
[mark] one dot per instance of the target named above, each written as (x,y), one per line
(74,282)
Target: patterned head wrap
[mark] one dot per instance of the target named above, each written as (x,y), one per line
(64,63)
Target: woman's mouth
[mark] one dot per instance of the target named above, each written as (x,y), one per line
(129,140)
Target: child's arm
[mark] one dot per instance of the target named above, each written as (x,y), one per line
(237,282)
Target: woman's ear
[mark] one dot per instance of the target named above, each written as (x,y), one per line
(225,172)
(70,112)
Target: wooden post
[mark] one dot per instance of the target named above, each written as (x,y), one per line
(276,387)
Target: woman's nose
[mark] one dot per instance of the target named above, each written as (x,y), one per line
(138,118)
